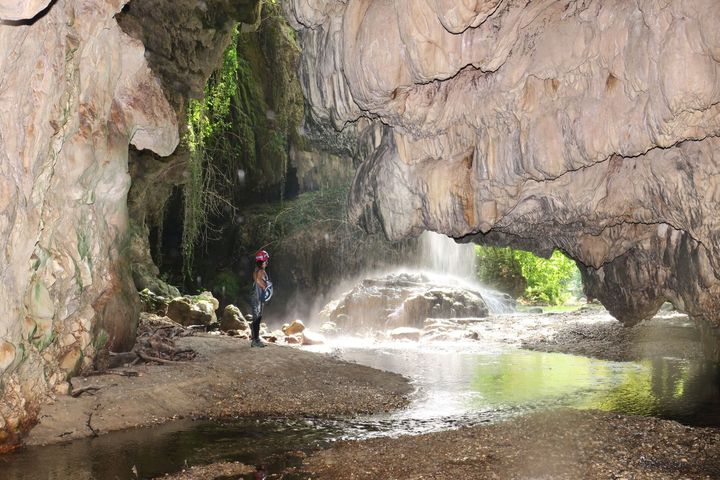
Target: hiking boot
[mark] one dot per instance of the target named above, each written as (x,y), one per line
(257,343)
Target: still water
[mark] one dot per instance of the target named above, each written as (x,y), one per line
(457,384)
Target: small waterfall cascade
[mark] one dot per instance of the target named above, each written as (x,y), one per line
(454,262)
(441,254)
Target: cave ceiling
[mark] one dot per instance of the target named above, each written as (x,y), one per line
(589,126)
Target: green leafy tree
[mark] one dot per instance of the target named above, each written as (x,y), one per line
(538,280)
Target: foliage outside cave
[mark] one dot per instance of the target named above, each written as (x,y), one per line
(535,280)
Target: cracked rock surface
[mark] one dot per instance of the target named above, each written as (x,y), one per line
(589,126)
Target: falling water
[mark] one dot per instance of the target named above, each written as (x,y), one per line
(443,255)
(454,263)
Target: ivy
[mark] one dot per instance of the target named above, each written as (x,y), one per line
(207,126)
(242,129)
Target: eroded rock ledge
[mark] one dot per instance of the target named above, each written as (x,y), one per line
(583,125)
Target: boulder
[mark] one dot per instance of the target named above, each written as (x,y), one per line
(406,333)
(191,311)
(311,338)
(297,326)
(404,299)
(150,302)
(328,328)
(232,319)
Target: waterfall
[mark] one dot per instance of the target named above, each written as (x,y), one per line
(454,263)
(440,254)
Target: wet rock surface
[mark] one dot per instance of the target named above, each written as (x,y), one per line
(402,300)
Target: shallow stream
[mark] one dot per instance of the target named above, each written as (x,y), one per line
(458,384)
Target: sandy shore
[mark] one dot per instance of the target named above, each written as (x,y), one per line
(227,379)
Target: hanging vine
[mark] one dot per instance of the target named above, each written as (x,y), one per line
(205,138)
(242,129)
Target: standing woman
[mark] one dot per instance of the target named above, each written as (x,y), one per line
(262,292)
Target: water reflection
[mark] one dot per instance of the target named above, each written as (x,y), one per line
(153,451)
(457,387)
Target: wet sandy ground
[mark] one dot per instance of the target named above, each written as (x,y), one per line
(228,379)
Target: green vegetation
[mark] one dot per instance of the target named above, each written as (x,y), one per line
(275,222)
(320,215)
(239,135)
(536,280)
(206,139)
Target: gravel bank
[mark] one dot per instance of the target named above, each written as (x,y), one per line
(561,444)
(595,334)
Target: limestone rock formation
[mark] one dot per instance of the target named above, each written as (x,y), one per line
(588,126)
(76,92)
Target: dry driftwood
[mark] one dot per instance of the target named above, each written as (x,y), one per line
(155,342)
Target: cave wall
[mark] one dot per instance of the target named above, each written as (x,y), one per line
(76,92)
(588,126)
(82,81)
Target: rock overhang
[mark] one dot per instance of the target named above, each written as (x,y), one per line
(586,126)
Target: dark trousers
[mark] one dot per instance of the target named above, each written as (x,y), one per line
(257,311)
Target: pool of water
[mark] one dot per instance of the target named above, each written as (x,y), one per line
(463,384)
(457,384)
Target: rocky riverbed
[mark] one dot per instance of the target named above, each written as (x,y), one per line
(559,444)
(562,444)
(592,332)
